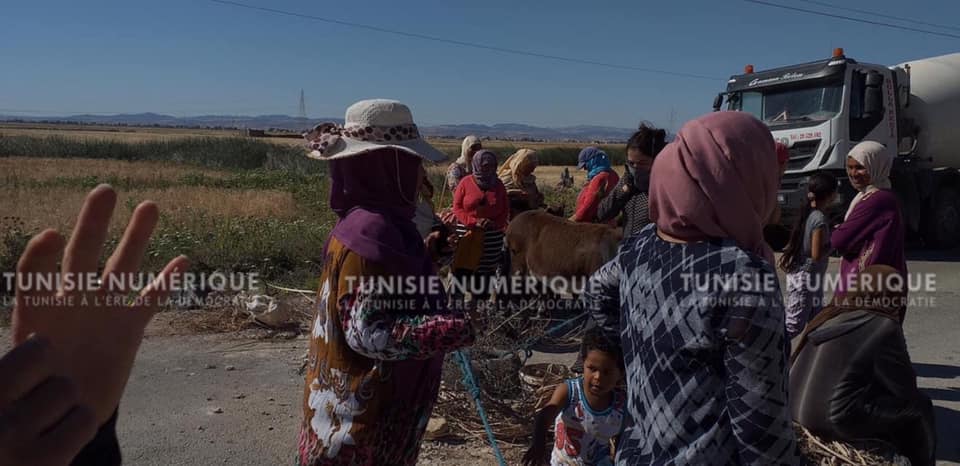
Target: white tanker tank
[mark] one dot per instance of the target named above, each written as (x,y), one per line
(934,107)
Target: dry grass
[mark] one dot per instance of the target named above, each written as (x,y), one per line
(126,134)
(547,175)
(226,203)
(135,134)
(57,207)
(495,144)
(550,175)
(30,168)
(819,451)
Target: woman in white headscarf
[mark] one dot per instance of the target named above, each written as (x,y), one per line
(872,231)
(463,165)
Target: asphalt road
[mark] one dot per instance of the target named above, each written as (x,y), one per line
(219,399)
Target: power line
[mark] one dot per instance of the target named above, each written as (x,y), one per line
(849,18)
(468,44)
(880,15)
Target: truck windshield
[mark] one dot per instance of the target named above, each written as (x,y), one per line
(782,105)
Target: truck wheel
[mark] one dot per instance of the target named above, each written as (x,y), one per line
(944,219)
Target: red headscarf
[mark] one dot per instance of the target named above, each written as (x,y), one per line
(717,180)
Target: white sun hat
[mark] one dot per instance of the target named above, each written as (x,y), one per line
(370,125)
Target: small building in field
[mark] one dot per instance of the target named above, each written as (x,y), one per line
(253,133)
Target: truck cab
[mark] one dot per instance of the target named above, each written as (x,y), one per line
(819,111)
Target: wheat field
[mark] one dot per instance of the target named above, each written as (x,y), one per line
(230,204)
(41,168)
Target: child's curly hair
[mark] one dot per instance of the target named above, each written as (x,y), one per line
(594,340)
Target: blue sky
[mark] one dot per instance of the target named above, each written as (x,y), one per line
(190,57)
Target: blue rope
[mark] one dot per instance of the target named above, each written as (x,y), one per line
(471,384)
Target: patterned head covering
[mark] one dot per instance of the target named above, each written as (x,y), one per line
(594,160)
(517,166)
(485,169)
(370,125)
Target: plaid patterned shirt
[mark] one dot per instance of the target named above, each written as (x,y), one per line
(634,207)
(706,364)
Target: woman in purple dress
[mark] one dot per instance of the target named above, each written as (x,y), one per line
(872,231)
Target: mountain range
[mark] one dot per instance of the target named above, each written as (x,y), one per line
(507,131)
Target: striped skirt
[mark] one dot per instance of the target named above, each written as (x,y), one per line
(492,250)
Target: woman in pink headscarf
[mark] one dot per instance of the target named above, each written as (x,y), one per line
(695,303)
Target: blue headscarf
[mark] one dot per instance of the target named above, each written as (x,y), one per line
(594,160)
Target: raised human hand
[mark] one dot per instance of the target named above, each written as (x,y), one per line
(94,332)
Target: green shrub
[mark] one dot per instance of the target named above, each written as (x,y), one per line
(281,250)
(13,241)
(212,152)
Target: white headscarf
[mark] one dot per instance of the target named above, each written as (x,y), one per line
(464,159)
(878,162)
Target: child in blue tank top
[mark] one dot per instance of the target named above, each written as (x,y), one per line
(587,412)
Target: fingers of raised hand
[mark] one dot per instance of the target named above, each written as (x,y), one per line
(169,279)
(36,279)
(127,258)
(86,242)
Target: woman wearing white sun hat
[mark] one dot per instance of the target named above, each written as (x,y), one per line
(375,358)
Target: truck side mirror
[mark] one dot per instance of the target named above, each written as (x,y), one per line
(718,102)
(874,79)
(872,102)
(873,95)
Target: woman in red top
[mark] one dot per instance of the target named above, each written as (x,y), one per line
(480,203)
(600,181)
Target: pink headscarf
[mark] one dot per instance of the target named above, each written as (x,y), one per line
(718,179)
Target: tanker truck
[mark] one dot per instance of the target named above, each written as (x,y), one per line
(820,110)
